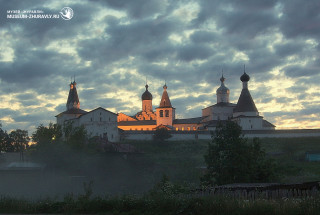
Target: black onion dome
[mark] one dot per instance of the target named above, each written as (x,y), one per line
(146,95)
(245,77)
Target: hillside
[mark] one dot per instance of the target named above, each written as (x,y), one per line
(183,161)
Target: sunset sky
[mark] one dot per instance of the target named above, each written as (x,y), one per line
(112,46)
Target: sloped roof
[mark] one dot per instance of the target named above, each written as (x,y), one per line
(169,127)
(245,102)
(101,108)
(265,123)
(73,111)
(73,95)
(196,120)
(146,95)
(221,104)
(165,101)
(141,122)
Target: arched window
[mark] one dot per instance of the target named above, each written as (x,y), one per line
(161,113)
(167,113)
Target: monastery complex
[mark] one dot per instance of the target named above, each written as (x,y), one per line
(101,122)
(244,113)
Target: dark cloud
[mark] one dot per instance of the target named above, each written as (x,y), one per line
(203,37)
(310,110)
(300,19)
(136,9)
(137,39)
(194,52)
(300,71)
(115,52)
(291,48)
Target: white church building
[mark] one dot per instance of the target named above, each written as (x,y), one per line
(98,122)
(245,112)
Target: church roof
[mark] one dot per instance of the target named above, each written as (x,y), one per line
(222,104)
(73,95)
(196,120)
(146,95)
(141,122)
(265,123)
(100,108)
(223,89)
(74,111)
(245,102)
(165,101)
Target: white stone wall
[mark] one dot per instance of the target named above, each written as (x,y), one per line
(100,121)
(206,135)
(250,123)
(63,117)
(222,113)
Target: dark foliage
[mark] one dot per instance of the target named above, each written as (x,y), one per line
(16,141)
(161,134)
(231,158)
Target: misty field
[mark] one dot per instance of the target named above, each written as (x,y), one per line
(160,204)
(88,181)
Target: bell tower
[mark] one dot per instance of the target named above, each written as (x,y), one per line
(165,111)
(73,99)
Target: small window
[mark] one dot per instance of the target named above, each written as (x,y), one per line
(100,119)
(91,119)
(167,113)
(111,136)
(100,113)
(161,113)
(109,119)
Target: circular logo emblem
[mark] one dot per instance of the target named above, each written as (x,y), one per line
(66,13)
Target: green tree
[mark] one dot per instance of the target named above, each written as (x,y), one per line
(45,135)
(161,134)
(76,137)
(20,140)
(231,158)
(6,144)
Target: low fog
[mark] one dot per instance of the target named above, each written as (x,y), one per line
(66,173)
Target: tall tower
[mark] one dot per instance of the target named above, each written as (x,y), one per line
(245,105)
(146,101)
(165,111)
(223,92)
(73,99)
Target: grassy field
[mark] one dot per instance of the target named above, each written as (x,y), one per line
(160,204)
(183,161)
(290,155)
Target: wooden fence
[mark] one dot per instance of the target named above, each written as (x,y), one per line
(263,191)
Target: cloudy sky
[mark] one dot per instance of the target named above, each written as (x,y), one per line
(112,46)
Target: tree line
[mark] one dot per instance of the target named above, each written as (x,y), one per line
(230,157)
(15,141)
